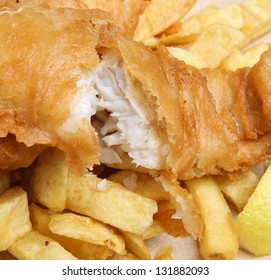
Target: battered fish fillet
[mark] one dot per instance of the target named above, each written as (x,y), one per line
(69,80)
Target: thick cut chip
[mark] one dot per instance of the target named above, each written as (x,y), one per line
(239,190)
(110,203)
(194,26)
(219,239)
(40,219)
(216,43)
(4,181)
(35,246)
(50,179)
(14,216)
(257,18)
(86,229)
(247,58)
(136,245)
(159,15)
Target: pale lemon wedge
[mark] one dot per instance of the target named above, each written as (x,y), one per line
(254,222)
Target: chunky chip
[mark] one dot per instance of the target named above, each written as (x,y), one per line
(49,181)
(194,26)
(257,18)
(213,45)
(110,203)
(219,240)
(135,244)
(86,229)
(247,58)
(238,190)
(40,219)
(159,15)
(35,246)
(14,216)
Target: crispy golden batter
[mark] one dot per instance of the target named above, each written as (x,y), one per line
(14,155)
(51,4)
(225,116)
(42,54)
(125,14)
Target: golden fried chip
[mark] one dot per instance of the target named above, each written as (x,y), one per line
(86,229)
(35,246)
(219,239)
(216,43)
(159,15)
(247,58)
(238,190)
(257,18)
(40,219)
(49,181)
(194,26)
(14,216)
(110,203)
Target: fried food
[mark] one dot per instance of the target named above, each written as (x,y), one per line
(14,213)
(35,246)
(238,190)
(190,29)
(38,85)
(225,116)
(84,89)
(212,46)
(88,230)
(219,240)
(48,183)
(15,155)
(248,58)
(136,245)
(125,14)
(159,15)
(40,219)
(110,203)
